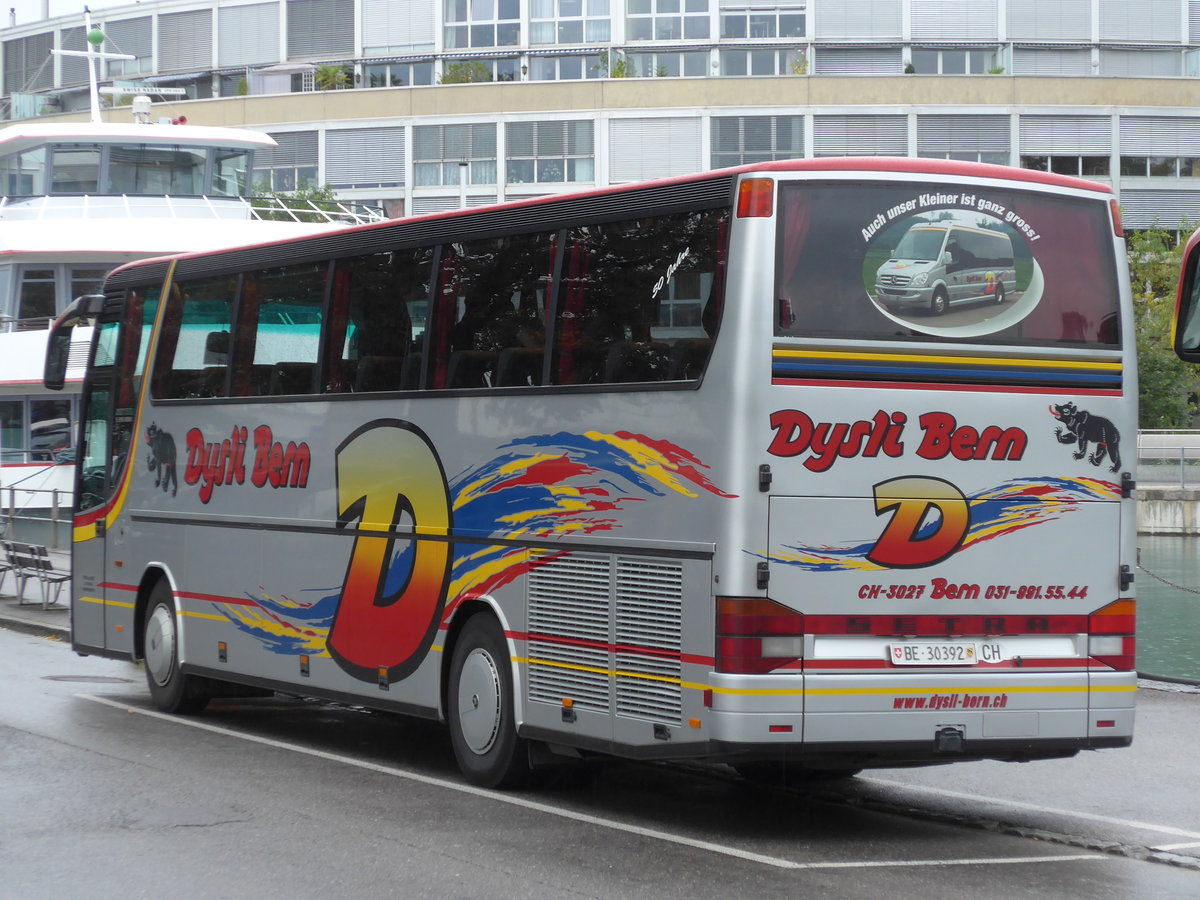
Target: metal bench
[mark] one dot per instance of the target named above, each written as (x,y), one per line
(32,561)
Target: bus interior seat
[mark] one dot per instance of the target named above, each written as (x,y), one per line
(470,368)
(185,383)
(380,373)
(292,378)
(260,380)
(519,366)
(687,359)
(634,361)
(214,381)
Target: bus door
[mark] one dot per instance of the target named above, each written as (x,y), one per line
(92,490)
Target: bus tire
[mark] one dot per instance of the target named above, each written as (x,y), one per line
(999,296)
(170,689)
(937,306)
(482,730)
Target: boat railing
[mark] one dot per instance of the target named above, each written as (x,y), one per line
(38,515)
(131,206)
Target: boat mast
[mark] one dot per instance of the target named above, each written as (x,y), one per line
(95,37)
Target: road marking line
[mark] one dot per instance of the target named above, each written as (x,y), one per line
(1187,846)
(611,824)
(1035,807)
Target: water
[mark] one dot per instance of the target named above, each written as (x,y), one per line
(1168,617)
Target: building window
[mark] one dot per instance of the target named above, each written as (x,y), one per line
(440,149)
(1079,166)
(1160,166)
(566,68)
(400,74)
(762,62)
(737,140)
(668,65)
(470,71)
(666,20)
(762,23)
(550,152)
(568,21)
(997,158)
(954,62)
(482,23)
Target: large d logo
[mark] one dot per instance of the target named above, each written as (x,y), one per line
(914,537)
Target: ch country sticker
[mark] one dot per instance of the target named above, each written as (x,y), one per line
(929,520)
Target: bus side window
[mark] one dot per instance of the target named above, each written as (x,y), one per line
(376,321)
(492,311)
(640,301)
(279,315)
(197,324)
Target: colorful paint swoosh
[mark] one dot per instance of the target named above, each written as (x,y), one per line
(546,486)
(995,512)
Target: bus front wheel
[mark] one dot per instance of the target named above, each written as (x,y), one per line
(170,689)
(482,730)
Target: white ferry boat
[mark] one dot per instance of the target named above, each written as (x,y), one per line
(80,199)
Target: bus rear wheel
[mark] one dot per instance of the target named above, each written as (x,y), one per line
(999,295)
(937,305)
(170,689)
(481,707)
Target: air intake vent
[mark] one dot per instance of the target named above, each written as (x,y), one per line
(649,635)
(569,612)
(592,615)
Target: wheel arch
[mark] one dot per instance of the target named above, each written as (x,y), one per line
(152,575)
(463,613)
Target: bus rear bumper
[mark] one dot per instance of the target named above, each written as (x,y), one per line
(978,714)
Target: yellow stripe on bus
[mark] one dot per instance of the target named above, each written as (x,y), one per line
(950,357)
(825,692)
(123,604)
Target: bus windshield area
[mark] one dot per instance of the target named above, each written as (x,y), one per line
(920,243)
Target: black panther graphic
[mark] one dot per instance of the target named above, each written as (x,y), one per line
(162,458)
(1080,426)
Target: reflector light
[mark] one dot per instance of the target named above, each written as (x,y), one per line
(1111,634)
(1106,723)
(780,729)
(755,635)
(756,198)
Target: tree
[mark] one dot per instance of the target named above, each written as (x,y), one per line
(470,71)
(330,78)
(1167,384)
(305,204)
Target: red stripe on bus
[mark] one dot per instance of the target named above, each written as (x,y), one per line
(216,598)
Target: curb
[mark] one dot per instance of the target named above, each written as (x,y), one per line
(37,629)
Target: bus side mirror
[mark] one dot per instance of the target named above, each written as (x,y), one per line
(58,343)
(1186,327)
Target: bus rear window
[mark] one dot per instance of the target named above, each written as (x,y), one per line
(889,261)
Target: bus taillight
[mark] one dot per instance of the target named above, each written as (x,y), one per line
(1111,634)
(755,635)
(756,198)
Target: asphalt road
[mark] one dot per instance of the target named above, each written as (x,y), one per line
(103,797)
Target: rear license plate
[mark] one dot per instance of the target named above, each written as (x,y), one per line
(935,653)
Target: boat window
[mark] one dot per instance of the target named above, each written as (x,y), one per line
(24,174)
(230,173)
(36,301)
(156,170)
(75,170)
(86,281)
(12,431)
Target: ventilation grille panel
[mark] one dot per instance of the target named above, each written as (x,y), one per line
(649,618)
